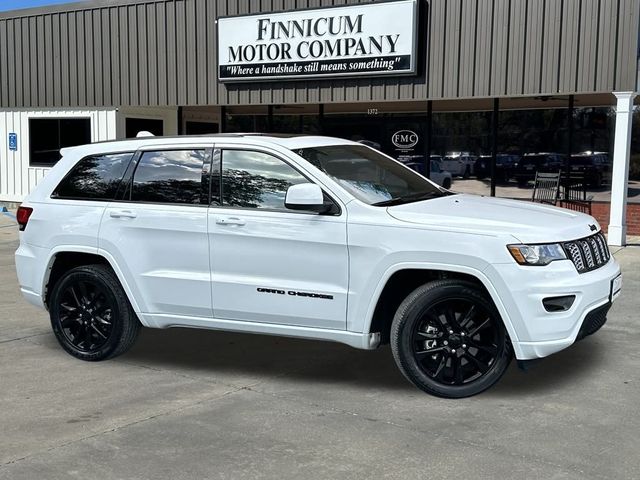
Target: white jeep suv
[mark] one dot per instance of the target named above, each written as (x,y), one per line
(309,237)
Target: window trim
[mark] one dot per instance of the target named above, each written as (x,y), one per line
(252,148)
(85,199)
(128,182)
(33,164)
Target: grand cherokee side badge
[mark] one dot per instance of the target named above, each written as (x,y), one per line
(593,227)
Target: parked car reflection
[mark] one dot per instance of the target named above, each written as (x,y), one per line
(505,166)
(461,164)
(531,163)
(437,174)
(595,167)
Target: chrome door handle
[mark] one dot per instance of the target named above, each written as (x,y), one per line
(122,214)
(230,221)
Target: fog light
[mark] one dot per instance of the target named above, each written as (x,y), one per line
(558,304)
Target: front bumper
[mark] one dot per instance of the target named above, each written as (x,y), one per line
(534,331)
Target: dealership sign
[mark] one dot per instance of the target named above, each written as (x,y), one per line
(365,39)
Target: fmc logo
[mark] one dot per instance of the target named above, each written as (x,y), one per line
(404,139)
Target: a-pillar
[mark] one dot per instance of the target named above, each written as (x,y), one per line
(620,169)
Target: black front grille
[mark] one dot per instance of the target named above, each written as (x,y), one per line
(588,253)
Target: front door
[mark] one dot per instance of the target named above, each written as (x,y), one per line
(270,264)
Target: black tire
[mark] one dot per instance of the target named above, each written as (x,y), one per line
(446,183)
(447,365)
(91,315)
(522,182)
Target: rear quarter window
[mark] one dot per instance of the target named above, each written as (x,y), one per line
(96,177)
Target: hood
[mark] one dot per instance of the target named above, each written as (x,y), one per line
(526,221)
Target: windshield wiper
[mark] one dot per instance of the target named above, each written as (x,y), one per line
(412,197)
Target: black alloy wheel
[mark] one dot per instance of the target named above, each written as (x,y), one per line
(448,339)
(91,315)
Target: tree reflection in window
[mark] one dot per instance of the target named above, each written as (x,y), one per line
(256,180)
(170,177)
(95,178)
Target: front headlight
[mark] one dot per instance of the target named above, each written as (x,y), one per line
(537,254)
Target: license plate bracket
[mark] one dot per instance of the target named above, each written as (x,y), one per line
(616,288)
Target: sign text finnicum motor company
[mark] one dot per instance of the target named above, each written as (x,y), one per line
(369,39)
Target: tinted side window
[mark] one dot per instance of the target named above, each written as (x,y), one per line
(256,180)
(96,177)
(174,176)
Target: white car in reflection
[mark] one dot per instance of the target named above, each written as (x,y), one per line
(437,175)
(440,176)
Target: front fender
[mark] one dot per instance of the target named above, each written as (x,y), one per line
(444,267)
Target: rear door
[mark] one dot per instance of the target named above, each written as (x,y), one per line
(270,264)
(157,231)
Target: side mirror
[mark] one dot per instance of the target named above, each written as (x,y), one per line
(305,196)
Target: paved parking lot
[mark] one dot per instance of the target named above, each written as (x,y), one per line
(187,404)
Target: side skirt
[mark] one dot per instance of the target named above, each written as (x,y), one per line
(363,341)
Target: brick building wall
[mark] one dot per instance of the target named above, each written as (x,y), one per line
(600,211)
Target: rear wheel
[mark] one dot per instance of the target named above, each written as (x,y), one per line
(446,183)
(448,339)
(91,315)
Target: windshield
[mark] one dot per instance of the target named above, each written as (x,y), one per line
(369,175)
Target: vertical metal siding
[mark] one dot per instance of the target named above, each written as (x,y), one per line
(517,45)
(163,52)
(532,68)
(500,47)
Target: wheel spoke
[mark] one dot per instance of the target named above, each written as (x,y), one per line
(450,315)
(429,336)
(75,297)
(440,368)
(80,337)
(490,350)
(67,321)
(430,351)
(68,308)
(467,316)
(480,327)
(481,366)
(98,331)
(84,293)
(95,301)
(101,320)
(457,370)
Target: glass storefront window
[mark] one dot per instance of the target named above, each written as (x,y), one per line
(461,144)
(528,139)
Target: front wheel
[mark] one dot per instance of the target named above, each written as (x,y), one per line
(448,339)
(90,314)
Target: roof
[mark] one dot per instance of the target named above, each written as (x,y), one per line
(289,142)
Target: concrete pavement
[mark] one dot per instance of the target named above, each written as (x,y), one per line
(188,404)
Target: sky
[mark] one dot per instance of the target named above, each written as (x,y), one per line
(18,4)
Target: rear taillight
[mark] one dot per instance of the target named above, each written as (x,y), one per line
(22,217)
